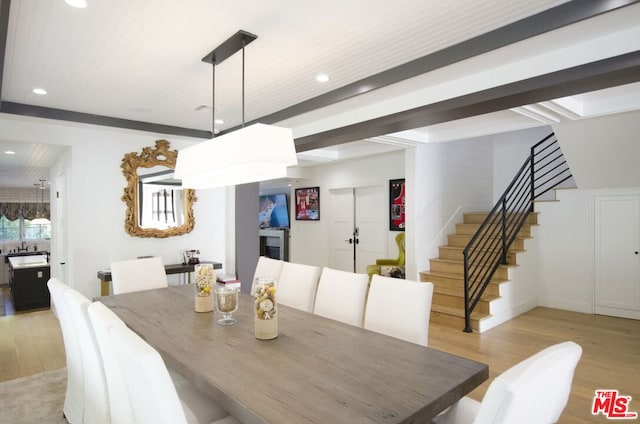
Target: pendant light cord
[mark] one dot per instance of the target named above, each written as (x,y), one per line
(213,98)
(243,45)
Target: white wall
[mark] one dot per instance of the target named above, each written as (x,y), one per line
(95,234)
(310,240)
(511,149)
(566,267)
(450,179)
(602,152)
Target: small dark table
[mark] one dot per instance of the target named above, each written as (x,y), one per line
(105,274)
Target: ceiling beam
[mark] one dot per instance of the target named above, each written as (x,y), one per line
(552,19)
(5,6)
(88,118)
(606,73)
(549,20)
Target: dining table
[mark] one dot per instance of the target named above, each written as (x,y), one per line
(317,370)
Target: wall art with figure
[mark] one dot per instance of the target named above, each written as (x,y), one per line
(396,205)
(308,204)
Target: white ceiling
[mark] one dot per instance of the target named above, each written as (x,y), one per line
(141,60)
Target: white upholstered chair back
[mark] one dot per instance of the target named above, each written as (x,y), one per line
(399,308)
(138,274)
(154,394)
(532,392)
(96,398)
(103,320)
(268,267)
(151,392)
(73,408)
(341,296)
(297,286)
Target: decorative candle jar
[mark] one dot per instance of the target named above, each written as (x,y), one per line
(205,281)
(266,307)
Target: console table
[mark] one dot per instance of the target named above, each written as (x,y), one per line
(105,274)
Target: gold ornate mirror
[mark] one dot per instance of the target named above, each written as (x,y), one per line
(157,206)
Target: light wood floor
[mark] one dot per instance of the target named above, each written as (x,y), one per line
(31,343)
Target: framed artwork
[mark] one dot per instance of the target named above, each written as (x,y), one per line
(396,204)
(308,204)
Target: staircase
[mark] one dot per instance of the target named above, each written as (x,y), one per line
(447,275)
(472,271)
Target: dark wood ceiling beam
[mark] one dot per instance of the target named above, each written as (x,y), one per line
(552,19)
(87,118)
(605,73)
(557,17)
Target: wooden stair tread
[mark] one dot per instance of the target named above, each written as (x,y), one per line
(446,246)
(471,235)
(452,276)
(459,293)
(455,262)
(458,312)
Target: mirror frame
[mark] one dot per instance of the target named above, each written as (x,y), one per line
(160,155)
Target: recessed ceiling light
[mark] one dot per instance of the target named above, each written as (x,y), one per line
(80,4)
(322,77)
(219,121)
(9,152)
(40,91)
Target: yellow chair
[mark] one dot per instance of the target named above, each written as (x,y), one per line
(399,262)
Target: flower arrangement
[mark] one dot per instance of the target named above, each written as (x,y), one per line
(205,279)
(264,292)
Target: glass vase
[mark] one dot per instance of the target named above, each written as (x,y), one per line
(205,279)
(266,307)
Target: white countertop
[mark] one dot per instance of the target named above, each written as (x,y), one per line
(28,261)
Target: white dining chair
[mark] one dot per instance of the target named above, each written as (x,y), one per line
(341,296)
(268,267)
(138,274)
(153,396)
(73,408)
(297,286)
(103,320)
(532,392)
(96,399)
(399,308)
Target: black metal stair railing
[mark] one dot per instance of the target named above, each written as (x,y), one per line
(543,170)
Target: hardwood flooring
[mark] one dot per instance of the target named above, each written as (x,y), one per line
(31,343)
(610,357)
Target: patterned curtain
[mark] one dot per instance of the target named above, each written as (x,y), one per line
(13,211)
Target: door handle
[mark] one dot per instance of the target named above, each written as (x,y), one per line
(357,240)
(350,241)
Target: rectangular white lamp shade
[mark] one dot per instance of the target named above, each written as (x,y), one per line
(255,153)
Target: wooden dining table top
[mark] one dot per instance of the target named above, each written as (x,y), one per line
(316,371)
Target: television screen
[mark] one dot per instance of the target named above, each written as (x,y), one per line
(274,212)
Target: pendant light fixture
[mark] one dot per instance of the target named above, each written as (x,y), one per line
(258,152)
(41,218)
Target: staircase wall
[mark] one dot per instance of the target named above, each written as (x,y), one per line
(448,179)
(520,293)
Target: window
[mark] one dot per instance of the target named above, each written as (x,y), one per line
(21,229)
(9,230)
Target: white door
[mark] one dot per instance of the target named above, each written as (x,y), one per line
(357,227)
(371,225)
(617,256)
(342,226)
(60,253)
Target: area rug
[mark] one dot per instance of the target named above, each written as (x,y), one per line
(37,398)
